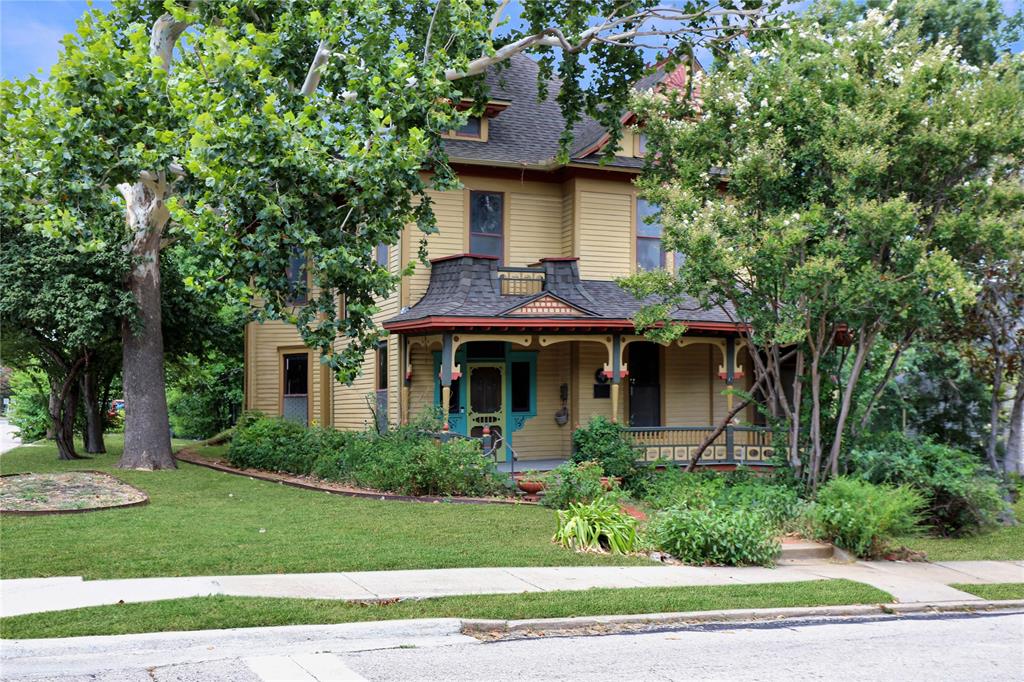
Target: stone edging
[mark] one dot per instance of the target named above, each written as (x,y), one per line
(47,512)
(296,482)
(513,629)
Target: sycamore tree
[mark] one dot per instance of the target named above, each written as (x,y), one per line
(257,129)
(845,151)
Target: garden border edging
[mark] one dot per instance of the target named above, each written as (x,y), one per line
(296,482)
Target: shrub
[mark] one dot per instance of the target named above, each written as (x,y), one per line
(606,443)
(30,410)
(274,444)
(204,394)
(672,487)
(861,517)
(423,466)
(572,483)
(715,535)
(777,504)
(598,525)
(961,495)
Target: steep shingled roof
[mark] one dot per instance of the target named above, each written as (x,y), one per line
(468,286)
(528,131)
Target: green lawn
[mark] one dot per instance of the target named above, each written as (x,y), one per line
(202,522)
(1005,543)
(995,592)
(202,613)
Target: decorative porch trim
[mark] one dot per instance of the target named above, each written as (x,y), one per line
(549,325)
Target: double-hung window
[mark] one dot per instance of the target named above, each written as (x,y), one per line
(649,254)
(487,224)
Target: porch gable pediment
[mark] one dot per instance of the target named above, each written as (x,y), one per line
(546,305)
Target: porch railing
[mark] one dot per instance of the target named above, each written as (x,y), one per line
(743,445)
(520,281)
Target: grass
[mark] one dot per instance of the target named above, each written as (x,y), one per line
(995,591)
(203,522)
(201,613)
(1002,544)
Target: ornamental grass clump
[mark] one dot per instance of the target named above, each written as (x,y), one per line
(863,518)
(597,526)
(715,535)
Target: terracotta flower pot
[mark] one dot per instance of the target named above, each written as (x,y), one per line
(530,487)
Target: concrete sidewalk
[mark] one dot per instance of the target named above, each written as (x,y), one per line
(907,582)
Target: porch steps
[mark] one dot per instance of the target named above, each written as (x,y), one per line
(801,550)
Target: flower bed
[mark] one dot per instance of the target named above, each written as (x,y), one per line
(63,493)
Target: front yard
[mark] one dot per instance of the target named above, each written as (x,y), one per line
(202,522)
(1006,543)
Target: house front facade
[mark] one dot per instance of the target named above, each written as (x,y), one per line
(516,325)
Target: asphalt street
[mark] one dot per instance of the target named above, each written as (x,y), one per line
(937,647)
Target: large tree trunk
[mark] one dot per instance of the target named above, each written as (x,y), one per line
(63,412)
(1013,463)
(147,439)
(92,406)
(53,404)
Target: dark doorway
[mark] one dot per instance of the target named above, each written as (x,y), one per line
(295,390)
(644,384)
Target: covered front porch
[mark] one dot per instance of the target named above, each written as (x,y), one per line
(526,355)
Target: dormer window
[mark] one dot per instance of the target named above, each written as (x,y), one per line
(472,129)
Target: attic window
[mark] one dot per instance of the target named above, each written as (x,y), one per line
(472,129)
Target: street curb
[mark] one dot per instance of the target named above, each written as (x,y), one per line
(500,629)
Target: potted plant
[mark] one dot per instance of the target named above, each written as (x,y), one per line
(530,482)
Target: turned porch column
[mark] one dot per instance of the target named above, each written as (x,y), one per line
(447,359)
(616,375)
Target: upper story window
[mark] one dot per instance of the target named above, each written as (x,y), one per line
(473,128)
(641,144)
(381,255)
(649,254)
(487,224)
(297,277)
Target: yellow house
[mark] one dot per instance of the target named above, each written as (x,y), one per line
(517,324)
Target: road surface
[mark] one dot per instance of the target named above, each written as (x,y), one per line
(986,647)
(7,439)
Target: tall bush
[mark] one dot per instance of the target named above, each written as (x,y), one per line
(606,443)
(863,518)
(715,535)
(962,495)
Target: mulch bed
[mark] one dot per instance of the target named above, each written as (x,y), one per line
(66,493)
(313,483)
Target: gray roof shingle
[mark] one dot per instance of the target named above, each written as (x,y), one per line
(469,286)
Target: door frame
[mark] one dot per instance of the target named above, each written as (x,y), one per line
(661,383)
(282,351)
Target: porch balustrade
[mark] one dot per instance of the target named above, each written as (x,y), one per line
(745,445)
(520,281)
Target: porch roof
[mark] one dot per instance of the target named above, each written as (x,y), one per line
(466,292)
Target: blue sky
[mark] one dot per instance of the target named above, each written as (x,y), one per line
(31,30)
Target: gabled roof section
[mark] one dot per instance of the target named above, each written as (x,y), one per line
(527,132)
(546,304)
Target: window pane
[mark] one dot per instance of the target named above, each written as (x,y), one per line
(520,387)
(646,223)
(296,374)
(679,260)
(297,276)
(642,143)
(485,246)
(382,255)
(486,212)
(471,129)
(649,254)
